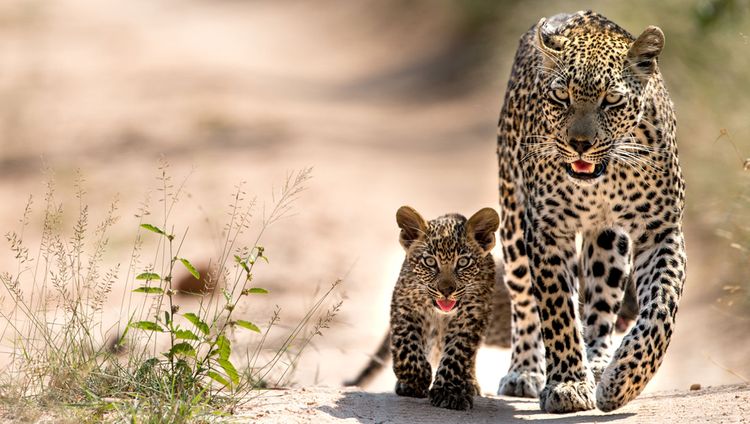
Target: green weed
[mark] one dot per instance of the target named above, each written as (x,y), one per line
(157,363)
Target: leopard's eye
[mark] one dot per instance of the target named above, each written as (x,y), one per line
(613,100)
(429,261)
(560,95)
(463,262)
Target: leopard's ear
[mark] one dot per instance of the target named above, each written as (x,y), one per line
(482,226)
(644,51)
(549,44)
(412,225)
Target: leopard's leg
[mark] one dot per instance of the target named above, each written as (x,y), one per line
(606,259)
(455,382)
(525,377)
(659,275)
(409,349)
(554,272)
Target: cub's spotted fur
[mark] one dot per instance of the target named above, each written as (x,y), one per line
(586,147)
(497,333)
(441,303)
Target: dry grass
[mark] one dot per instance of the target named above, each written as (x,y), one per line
(158,363)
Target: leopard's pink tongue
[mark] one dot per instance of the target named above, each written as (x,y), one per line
(582,167)
(446,304)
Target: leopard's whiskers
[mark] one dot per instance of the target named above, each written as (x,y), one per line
(546,148)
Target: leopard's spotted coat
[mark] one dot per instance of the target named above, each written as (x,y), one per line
(586,148)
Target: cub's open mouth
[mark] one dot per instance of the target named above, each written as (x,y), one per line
(445,305)
(583,170)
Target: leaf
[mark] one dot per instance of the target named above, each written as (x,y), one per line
(149,290)
(247,324)
(218,378)
(154,229)
(194,272)
(229,368)
(148,276)
(185,335)
(147,367)
(242,263)
(147,325)
(257,290)
(227,295)
(200,325)
(183,348)
(121,339)
(223,347)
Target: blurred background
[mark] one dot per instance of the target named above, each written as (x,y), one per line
(391,102)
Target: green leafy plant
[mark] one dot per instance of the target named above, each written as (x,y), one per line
(166,365)
(207,353)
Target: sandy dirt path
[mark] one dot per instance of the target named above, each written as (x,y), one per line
(244,91)
(721,404)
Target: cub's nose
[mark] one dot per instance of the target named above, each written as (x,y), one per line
(580,145)
(446,287)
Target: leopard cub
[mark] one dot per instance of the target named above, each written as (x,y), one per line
(441,304)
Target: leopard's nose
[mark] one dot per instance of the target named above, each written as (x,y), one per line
(580,145)
(583,128)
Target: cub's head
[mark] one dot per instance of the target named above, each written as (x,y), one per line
(594,79)
(448,255)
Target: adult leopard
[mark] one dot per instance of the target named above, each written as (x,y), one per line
(586,147)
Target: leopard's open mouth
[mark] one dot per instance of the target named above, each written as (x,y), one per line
(584,170)
(446,305)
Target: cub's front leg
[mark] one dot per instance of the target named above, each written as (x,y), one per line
(409,330)
(455,381)
(570,384)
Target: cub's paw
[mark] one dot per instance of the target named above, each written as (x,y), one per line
(475,385)
(570,396)
(521,384)
(452,396)
(409,389)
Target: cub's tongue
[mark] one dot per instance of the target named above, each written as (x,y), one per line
(583,167)
(446,304)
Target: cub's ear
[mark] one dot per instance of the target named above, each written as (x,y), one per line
(412,225)
(482,226)
(644,51)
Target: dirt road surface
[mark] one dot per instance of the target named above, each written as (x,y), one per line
(245,91)
(721,404)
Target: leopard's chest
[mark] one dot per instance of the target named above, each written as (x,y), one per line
(623,197)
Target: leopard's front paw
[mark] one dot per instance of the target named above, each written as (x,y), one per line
(597,367)
(411,389)
(521,384)
(599,360)
(565,397)
(617,388)
(453,396)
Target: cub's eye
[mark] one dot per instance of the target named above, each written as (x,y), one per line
(560,95)
(613,100)
(463,262)
(429,261)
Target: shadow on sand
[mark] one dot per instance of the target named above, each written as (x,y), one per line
(389,408)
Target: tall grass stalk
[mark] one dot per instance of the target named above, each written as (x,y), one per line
(155,363)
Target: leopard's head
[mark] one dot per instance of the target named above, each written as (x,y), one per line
(447,255)
(593,81)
